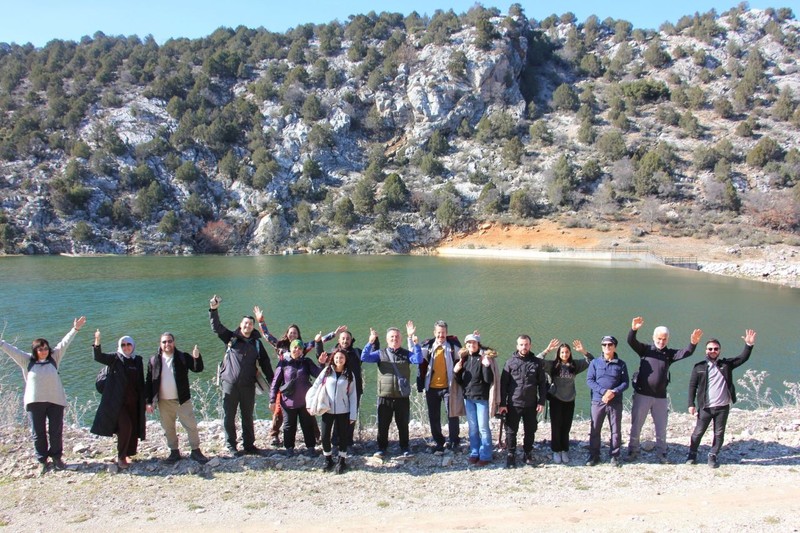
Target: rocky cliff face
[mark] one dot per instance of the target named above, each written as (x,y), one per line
(250,142)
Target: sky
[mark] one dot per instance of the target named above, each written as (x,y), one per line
(40,21)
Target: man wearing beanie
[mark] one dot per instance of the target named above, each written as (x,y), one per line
(607,378)
(650,384)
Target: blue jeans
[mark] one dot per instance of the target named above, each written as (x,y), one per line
(480,435)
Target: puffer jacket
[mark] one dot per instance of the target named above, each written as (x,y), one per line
(341,392)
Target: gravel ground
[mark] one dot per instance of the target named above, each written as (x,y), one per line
(756,488)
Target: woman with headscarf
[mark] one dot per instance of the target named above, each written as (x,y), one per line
(122,406)
(45,398)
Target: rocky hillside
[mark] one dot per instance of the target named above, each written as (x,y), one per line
(387,133)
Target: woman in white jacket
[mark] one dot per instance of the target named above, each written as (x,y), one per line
(339,385)
(45,398)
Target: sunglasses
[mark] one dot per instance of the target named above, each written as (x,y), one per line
(126,344)
(714,349)
(167,342)
(607,344)
(43,348)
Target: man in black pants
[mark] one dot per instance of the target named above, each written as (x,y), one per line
(238,377)
(711,384)
(523,391)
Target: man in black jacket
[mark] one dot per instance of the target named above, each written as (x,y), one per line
(711,384)
(244,355)
(523,390)
(168,384)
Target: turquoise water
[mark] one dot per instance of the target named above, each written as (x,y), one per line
(144,296)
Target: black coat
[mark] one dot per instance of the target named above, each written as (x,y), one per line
(107,417)
(698,382)
(182,363)
(523,383)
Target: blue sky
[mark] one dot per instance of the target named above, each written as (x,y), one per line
(39,21)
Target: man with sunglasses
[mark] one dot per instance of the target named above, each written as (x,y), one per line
(167,385)
(711,386)
(607,379)
(650,384)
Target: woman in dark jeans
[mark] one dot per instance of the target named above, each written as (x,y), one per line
(562,393)
(122,406)
(294,375)
(45,398)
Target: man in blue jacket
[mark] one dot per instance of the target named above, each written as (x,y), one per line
(607,378)
(711,384)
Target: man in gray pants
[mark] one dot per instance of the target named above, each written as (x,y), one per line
(650,384)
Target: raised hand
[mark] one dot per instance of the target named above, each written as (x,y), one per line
(696,335)
(318,337)
(373,335)
(214,302)
(258,314)
(340,329)
(195,352)
(554,343)
(97,338)
(577,345)
(636,323)
(749,337)
(78,323)
(410,328)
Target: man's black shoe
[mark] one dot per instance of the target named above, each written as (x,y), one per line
(174,457)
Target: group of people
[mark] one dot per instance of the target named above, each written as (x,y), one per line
(466,380)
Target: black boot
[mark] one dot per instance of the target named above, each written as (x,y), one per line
(341,466)
(511,459)
(328,463)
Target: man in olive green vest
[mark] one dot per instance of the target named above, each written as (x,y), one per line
(394,384)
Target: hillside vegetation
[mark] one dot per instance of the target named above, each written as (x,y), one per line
(385,133)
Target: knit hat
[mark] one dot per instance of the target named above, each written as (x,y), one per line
(295,343)
(472,337)
(609,338)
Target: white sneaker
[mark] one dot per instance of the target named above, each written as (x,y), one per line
(557,457)
(565,458)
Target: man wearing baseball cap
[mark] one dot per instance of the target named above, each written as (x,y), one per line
(607,378)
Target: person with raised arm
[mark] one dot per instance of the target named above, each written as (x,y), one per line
(243,357)
(607,378)
(44,397)
(122,404)
(394,384)
(711,394)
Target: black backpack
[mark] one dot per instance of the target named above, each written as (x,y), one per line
(100,380)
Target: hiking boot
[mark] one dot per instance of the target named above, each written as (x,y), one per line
(482,463)
(662,458)
(632,456)
(438,450)
(529,459)
(198,456)
(174,457)
(565,457)
(615,462)
(691,459)
(472,460)
(341,466)
(557,458)
(251,450)
(328,463)
(511,461)
(712,461)
(453,447)
(593,461)
(59,464)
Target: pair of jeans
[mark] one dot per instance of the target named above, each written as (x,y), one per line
(601,411)
(561,414)
(480,434)
(434,399)
(659,410)
(719,415)
(529,424)
(400,409)
(243,399)
(307,425)
(46,417)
